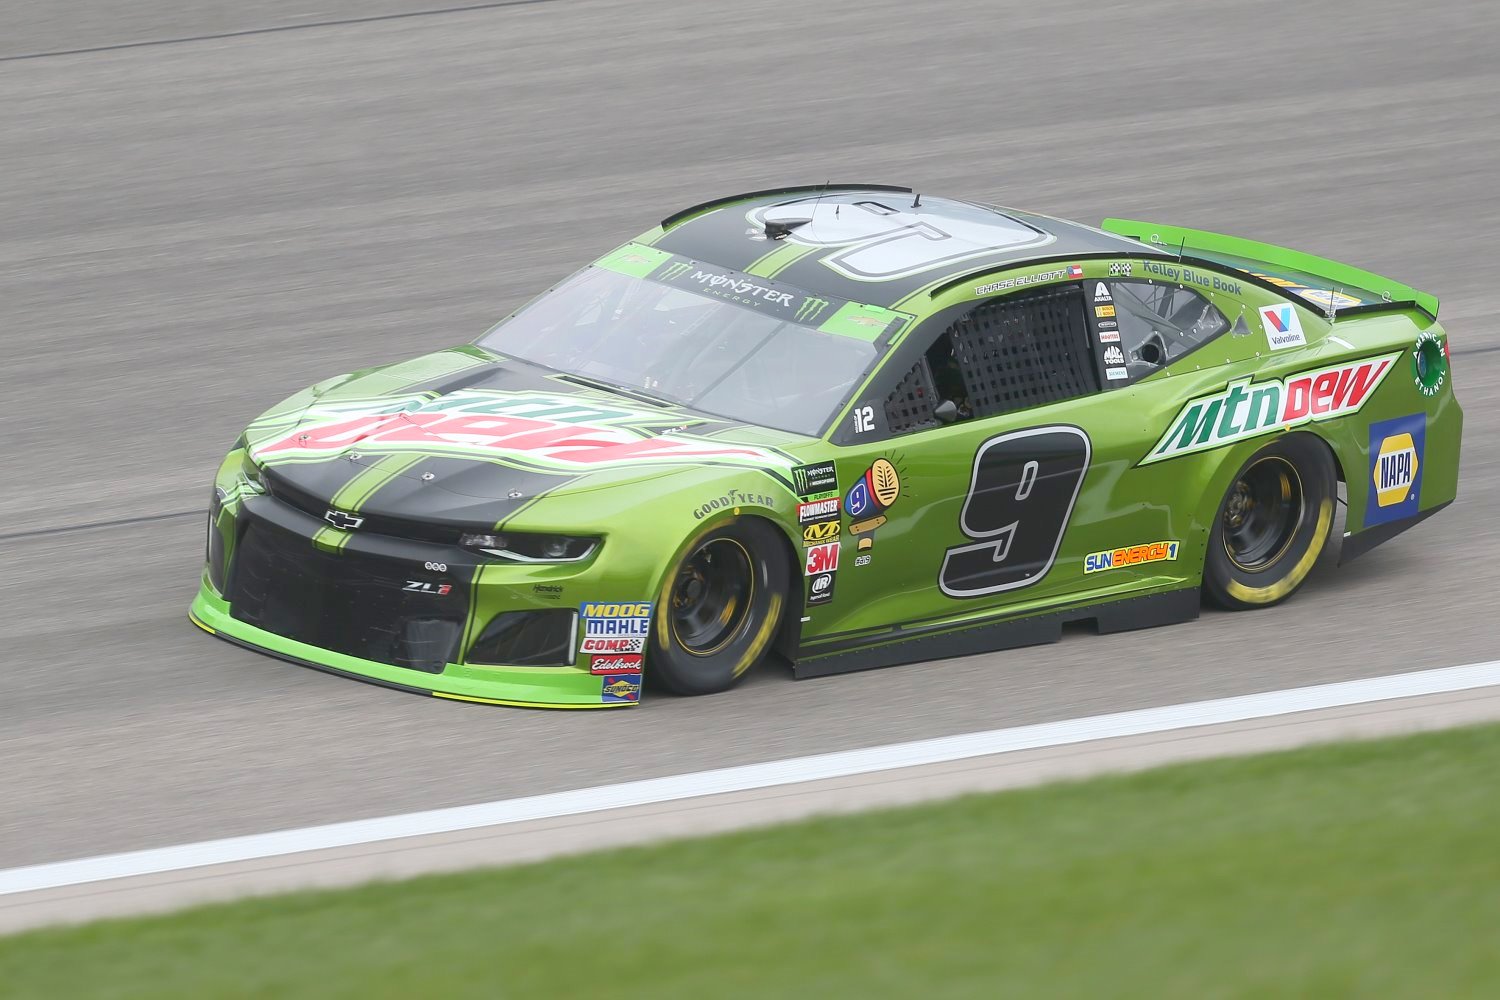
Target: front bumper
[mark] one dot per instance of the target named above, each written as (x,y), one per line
(339,602)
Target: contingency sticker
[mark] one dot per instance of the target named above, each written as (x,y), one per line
(614,628)
(1396,457)
(1283,328)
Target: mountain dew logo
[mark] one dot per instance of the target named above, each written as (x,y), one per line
(529,428)
(1246,408)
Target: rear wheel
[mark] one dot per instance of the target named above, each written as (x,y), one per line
(1272,525)
(719,608)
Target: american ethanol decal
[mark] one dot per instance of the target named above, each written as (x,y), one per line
(1246,408)
(534,429)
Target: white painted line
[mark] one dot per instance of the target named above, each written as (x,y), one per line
(1342,343)
(751,776)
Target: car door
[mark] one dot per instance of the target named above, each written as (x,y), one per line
(997,506)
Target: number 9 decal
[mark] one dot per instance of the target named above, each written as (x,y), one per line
(1021,495)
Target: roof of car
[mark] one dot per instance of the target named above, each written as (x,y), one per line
(874,243)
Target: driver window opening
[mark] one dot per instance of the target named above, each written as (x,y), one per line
(1005,354)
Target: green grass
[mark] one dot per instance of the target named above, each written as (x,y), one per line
(1366,869)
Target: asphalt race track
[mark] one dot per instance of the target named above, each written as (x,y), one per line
(199,216)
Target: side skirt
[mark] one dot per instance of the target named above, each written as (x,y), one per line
(917,644)
(1360,542)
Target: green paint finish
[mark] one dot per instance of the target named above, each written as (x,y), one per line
(859,321)
(634,259)
(1332,272)
(1162,451)
(782,257)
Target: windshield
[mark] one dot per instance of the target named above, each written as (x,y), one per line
(725,344)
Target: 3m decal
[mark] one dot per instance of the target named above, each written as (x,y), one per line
(1130,555)
(1396,459)
(621,663)
(1246,408)
(820,588)
(614,627)
(532,428)
(822,559)
(620,687)
(1283,328)
(820,532)
(814,511)
(812,480)
(1021,495)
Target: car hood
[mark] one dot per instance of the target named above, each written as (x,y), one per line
(467,434)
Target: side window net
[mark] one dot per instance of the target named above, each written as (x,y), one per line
(910,405)
(1024,350)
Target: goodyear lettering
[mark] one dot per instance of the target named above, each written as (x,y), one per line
(730,500)
(1246,408)
(1130,555)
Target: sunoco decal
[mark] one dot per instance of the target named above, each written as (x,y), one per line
(528,428)
(1246,408)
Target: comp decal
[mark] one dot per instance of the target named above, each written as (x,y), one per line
(537,429)
(614,628)
(1246,408)
(1396,458)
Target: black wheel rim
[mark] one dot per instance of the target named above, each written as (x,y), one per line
(711,596)
(1262,513)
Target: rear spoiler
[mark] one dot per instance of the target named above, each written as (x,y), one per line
(1319,283)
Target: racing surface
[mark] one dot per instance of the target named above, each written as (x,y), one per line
(192,230)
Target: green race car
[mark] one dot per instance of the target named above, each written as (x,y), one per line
(846,425)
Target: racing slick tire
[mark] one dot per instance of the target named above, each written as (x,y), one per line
(719,608)
(1272,524)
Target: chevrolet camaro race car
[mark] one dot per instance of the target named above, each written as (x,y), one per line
(848,426)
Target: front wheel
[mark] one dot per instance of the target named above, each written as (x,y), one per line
(1272,525)
(719,608)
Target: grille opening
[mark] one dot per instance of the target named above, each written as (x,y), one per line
(527,639)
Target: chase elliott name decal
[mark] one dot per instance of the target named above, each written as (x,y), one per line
(1245,408)
(531,428)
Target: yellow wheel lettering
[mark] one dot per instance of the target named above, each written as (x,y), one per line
(1276,591)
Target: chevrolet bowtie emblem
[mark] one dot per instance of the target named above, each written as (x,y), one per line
(339,519)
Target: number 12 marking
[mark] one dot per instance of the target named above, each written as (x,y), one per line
(1021,495)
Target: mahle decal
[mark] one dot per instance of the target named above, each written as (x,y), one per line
(1246,408)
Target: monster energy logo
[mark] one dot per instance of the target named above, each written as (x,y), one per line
(674,271)
(810,308)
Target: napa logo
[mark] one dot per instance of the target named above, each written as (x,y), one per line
(1396,459)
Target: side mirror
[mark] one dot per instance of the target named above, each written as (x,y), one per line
(946,411)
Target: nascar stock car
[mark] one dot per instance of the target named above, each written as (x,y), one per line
(847,426)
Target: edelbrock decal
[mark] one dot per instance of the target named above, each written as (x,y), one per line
(1246,408)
